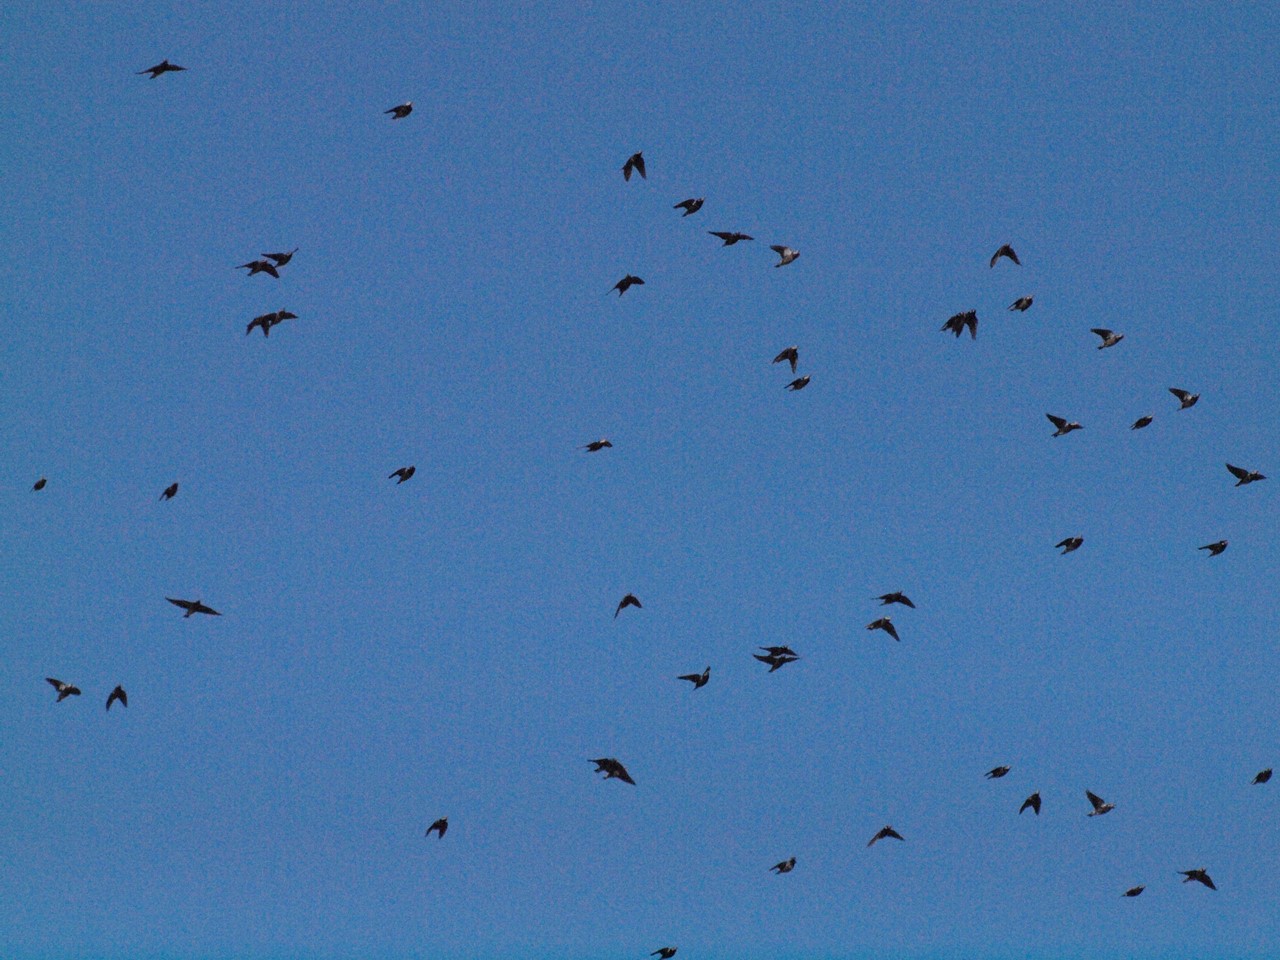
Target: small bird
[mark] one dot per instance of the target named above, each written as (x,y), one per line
(664,953)
(1069,544)
(1109,337)
(883,834)
(1143,421)
(118,694)
(780,652)
(1064,426)
(791,355)
(193,606)
(961,320)
(785,254)
(281,258)
(64,689)
(1022,304)
(269,320)
(170,491)
(404,473)
(612,769)
(786,866)
(400,112)
(164,66)
(1215,548)
(1005,251)
(1186,398)
(997,773)
(439,826)
(729,238)
(626,283)
(895,597)
(1200,876)
(260,266)
(776,661)
(885,624)
(635,162)
(689,206)
(596,445)
(798,384)
(39,484)
(1244,476)
(697,679)
(1033,802)
(1262,777)
(1134,891)
(1100,806)
(630,600)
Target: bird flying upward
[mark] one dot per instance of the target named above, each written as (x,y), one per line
(1005,251)
(117,694)
(630,600)
(1033,802)
(636,162)
(440,826)
(884,833)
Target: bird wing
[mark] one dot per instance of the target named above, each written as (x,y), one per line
(691,677)
(199,607)
(639,165)
(1238,471)
(184,604)
(1094,799)
(779,249)
(57,684)
(1180,394)
(1103,332)
(1058,422)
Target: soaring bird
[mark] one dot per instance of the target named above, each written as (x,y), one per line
(1200,876)
(440,826)
(1185,397)
(997,773)
(883,834)
(64,689)
(193,606)
(885,624)
(281,258)
(1215,548)
(1022,304)
(895,597)
(1244,476)
(799,383)
(1134,891)
(776,661)
(40,484)
(1069,544)
(400,112)
(692,205)
(1033,802)
(961,320)
(785,254)
(729,238)
(612,769)
(630,600)
(1005,251)
(260,266)
(697,679)
(1064,425)
(404,473)
(791,355)
(626,283)
(164,66)
(117,694)
(269,320)
(1100,806)
(1143,421)
(1262,777)
(170,491)
(786,866)
(780,652)
(664,953)
(596,445)
(1109,337)
(634,162)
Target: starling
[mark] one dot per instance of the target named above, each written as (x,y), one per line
(170,491)
(961,320)
(597,445)
(698,680)
(630,600)
(1109,337)
(1200,876)
(440,826)
(780,652)
(1100,806)
(1263,776)
(1143,421)
(689,206)
(1134,891)
(39,484)
(895,597)
(260,266)
(626,283)
(636,162)
(1005,251)
(885,624)
(1185,398)
(1022,304)
(883,834)
(193,606)
(118,694)
(64,689)
(164,66)
(612,769)
(1215,548)
(776,661)
(281,258)
(1069,544)
(269,320)
(1064,426)
(729,238)
(1244,476)
(786,866)
(404,473)
(791,355)
(785,255)
(798,384)
(400,112)
(663,953)
(1033,802)
(997,773)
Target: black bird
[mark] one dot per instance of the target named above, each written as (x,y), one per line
(1005,251)
(1134,891)
(630,600)
(39,484)
(1263,776)
(1186,398)
(785,254)
(1069,544)
(164,66)
(883,834)
(170,491)
(439,826)
(1143,421)
(626,283)
(1200,876)
(1109,337)
(404,473)
(612,769)
(1215,548)
(1022,304)
(1244,476)
(1064,426)
(689,206)
(664,953)
(281,258)
(885,624)
(597,445)
(729,238)
(776,661)
(997,773)
(786,866)
(895,597)
(791,355)
(118,694)
(1100,806)
(697,679)
(780,652)
(798,384)
(400,112)
(64,689)
(193,606)
(961,320)
(260,266)
(1033,802)
(634,162)
(269,320)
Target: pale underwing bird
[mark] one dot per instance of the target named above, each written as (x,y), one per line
(164,66)
(1005,251)
(785,255)
(400,112)
(39,484)
(664,953)
(630,600)
(634,162)
(170,491)
(440,826)
(597,445)
(698,680)
(1244,476)
(799,383)
(1021,304)
(729,238)
(776,661)
(626,283)
(786,866)
(404,473)
(689,206)
(791,355)
(780,651)
(1100,806)
(1185,397)
(1262,776)
(269,320)
(1069,544)
(1109,337)
(895,597)
(260,266)
(1214,548)
(613,770)
(961,320)
(1200,876)
(64,689)
(884,833)
(118,694)
(1064,425)
(997,773)
(1134,891)
(885,624)
(281,258)
(193,606)
(1142,421)
(1033,802)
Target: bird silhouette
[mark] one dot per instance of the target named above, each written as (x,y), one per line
(1109,337)
(1069,544)
(170,491)
(269,320)
(786,866)
(997,773)
(440,826)
(789,354)
(626,283)
(1033,802)
(612,770)
(597,445)
(780,652)
(630,600)
(64,689)
(1022,304)
(698,680)
(400,112)
(961,320)
(885,624)
(404,473)
(1199,876)
(799,383)
(1185,398)
(1143,421)
(1262,776)
(1100,806)
(118,694)
(689,206)
(776,661)
(729,238)
(164,66)
(1215,548)
(884,833)
(895,597)
(192,607)
(260,266)
(635,162)
(1134,891)
(1064,426)
(1005,251)
(39,484)
(785,254)
(1244,476)
(281,258)
(664,953)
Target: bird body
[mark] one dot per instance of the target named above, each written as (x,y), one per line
(692,205)
(1198,875)
(597,445)
(260,266)
(776,661)
(1185,398)
(400,112)
(1262,777)
(789,354)
(269,320)
(626,283)
(1100,806)
(404,473)
(895,597)
(170,491)
(630,600)
(1143,421)
(612,770)
(636,162)
(1064,425)
(118,694)
(997,773)
(780,652)
(1033,802)
(1022,304)
(1069,544)
(1005,251)
(729,237)
(785,254)
(1109,337)
(799,383)
(884,833)
(664,953)
(786,866)
(164,66)
(192,607)
(1134,891)
(1244,476)
(1215,548)
(885,624)
(440,826)
(64,689)
(39,484)
(281,258)
(699,680)
(959,321)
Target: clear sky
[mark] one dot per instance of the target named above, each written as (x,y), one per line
(389,654)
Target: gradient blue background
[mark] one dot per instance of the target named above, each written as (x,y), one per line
(390,654)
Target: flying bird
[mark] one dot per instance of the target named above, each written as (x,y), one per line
(1109,337)
(1143,421)
(64,689)
(997,773)
(170,491)
(440,826)
(1263,776)
(635,162)
(260,266)
(698,680)
(630,600)
(791,355)
(1064,426)
(400,112)
(164,66)
(785,254)
(786,866)
(626,283)
(780,652)
(404,473)
(281,258)
(1100,806)
(883,834)
(1022,304)
(597,445)
(664,953)
(118,694)
(689,206)
(1244,476)
(1134,891)
(1033,802)
(1185,397)
(895,597)
(193,606)
(39,484)
(729,238)
(612,770)
(1215,548)
(1199,876)
(776,661)
(885,624)
(798,384)
(1069,544)
(1005,251)
(269,320)
(961,320)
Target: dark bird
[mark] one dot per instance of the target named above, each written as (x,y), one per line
(118,694)
(404,473)
(440,826)
(786,866)
(883,834)
(1005,251)
(260,266)
(1064,426)
(1033,802)
(281,258)
(634,162)
(1244,476)
(1134,891)
(400,112)
(780,652)
(776,661)
(997,773)
(170,491)
(1100,806)
(885,624)
(895,597)
(612,769)
(961,320)
(663,953)
(1214,548)
(597,445)
(1109,337)
(1185,397)
(269,320)
(689,206)
(1022,304)
(1199,876)
(791,355)
(1069,544)
(798,384)
(1263,776)
(1143,421)
(39,484)
(64,689)
(626,283)
(785,254)
(697,679)
(729,238)
(193,606)
(630,600)
(164,66)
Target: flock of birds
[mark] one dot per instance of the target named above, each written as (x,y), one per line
(775,657)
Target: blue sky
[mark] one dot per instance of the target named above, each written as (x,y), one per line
(391,654)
